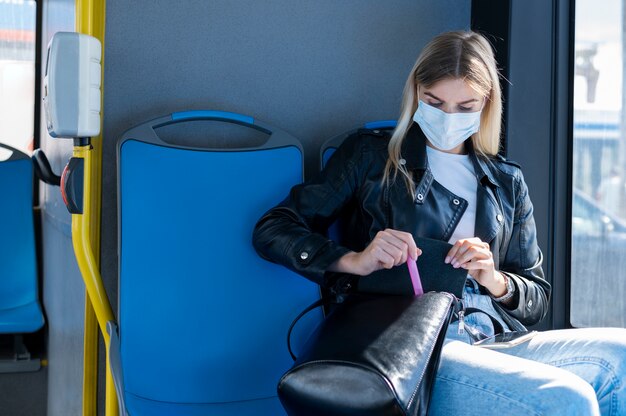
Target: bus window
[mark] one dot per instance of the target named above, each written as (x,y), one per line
(17,73)
(598,283)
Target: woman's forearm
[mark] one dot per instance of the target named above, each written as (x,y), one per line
(346,264)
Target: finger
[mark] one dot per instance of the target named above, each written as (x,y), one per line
(457,249)
(464,250)
(477,241)
(380,245)
(453,251)
(388,251)
(478,265)
(390,237)
(398,244)
(379,258)
(384,259)
(473,253)
(408,239)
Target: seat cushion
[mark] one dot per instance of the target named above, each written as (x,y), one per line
(21,319)
(138,406)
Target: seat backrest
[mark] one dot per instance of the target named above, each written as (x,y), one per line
(18,262)
(330,145)
(203,319)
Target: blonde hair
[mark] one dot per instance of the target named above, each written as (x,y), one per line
(462,55)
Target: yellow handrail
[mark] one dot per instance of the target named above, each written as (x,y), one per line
(89,270)
(90,360)
(90,20)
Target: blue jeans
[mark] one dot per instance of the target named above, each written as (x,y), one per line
(479,321)
(561,372)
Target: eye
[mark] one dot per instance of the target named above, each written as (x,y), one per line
(434,104)
(465,108)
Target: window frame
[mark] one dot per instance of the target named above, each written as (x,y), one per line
(538,120)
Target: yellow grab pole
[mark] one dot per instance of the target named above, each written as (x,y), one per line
(90,360)
(91,274)
(90,20)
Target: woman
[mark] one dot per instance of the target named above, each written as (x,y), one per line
(439,176)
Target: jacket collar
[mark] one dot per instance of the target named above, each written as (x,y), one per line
(414,152)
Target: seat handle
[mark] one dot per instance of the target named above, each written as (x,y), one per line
(212,115)
(146,132)
(43,170)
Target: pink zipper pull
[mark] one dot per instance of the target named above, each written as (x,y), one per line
(415,277)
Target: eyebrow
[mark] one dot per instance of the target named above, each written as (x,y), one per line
(439,99)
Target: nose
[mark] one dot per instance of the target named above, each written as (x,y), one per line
(447,108)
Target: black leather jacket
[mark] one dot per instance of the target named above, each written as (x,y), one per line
(294,232)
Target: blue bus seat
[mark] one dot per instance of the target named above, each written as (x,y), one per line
(329,147)
(20,311)
(202,318)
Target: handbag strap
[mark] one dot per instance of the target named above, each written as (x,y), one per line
(477,335)
(320,302)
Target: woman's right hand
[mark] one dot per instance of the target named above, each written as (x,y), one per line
(389,248)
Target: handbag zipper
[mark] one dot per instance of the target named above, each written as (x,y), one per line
(453,301)
(461,330)
(461,315)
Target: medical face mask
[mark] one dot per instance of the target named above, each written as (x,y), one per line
(446,130)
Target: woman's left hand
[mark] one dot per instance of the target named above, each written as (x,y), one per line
(474,255)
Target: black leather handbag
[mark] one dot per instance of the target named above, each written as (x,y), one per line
(372,355)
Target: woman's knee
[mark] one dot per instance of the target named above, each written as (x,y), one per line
(603,361)
(562,395)
(500,384)
(615,347)
(570,395)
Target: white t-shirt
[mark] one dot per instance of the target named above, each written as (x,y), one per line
(456,174)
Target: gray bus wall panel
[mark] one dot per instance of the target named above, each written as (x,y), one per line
(312,68)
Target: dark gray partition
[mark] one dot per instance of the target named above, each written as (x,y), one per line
(539,131)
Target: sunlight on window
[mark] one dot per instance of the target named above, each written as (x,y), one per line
(17,73)
(598,290)
(5,154)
